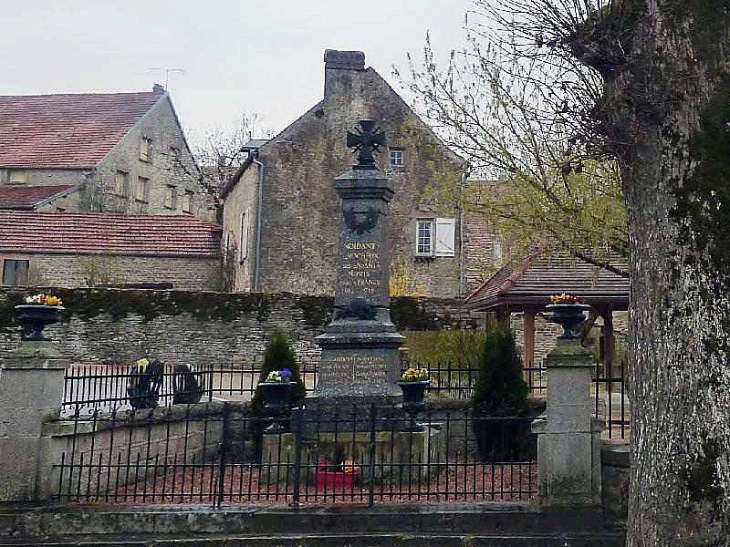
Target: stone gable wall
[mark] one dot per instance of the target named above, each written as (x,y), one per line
(301,210)
(163,168)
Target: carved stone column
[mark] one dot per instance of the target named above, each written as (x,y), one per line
(360,358)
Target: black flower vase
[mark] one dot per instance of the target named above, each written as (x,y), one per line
(414,401)
(33,318)
(276,397)
(568,316)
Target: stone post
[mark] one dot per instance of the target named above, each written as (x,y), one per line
(568,442)
(31,387)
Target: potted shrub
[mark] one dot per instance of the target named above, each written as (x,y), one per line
(413,383)
(36,314)
(277,357)
(276,389)
(337,473)
(499,403)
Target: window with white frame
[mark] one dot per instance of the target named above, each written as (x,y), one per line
(424,237)
(15,272)
(243,249)
(436,237)
(396,157)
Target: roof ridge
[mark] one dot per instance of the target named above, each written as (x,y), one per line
(83,94)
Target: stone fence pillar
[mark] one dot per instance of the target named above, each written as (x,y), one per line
(31,387)
(568,442)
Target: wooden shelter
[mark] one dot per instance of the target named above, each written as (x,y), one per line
(526,287)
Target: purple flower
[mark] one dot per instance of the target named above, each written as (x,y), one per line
(285,373)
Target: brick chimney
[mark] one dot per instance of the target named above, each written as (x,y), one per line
(339,67)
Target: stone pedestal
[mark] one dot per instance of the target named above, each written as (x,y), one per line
(31,388)
(568,443)
(395,452)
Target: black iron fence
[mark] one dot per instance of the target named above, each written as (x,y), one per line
(611,401)
(91,388)
(219,453)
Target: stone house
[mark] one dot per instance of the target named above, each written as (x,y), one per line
(108,249)
(115,152)
(280,208)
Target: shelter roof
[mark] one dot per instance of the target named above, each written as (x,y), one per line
(108,233)
(532,281)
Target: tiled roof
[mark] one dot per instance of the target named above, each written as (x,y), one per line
(67,131)
(108,233)
(539,276)
(28,197)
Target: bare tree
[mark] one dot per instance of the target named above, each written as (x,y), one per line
(539,180)
(645,83)
(221,154)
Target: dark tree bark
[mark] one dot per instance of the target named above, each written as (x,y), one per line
(666,108)
(661,108)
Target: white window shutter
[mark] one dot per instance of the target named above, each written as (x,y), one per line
(445,236)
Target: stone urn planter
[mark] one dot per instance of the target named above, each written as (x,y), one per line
(276,397)
(33,318)
(414,401)
(569,316)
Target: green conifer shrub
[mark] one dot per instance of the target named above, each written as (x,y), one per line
(501,392)
(277,356)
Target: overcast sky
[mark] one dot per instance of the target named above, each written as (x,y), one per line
(262,56)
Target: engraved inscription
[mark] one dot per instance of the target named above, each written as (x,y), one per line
(361,268)
(347,369)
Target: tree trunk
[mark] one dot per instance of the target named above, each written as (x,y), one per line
(668,107)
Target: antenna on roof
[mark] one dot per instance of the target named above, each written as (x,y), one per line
(168,71)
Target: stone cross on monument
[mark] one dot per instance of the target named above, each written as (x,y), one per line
(360,358)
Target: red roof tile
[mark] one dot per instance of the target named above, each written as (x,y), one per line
(93,233)
(67,131)
(540,276)
(28,197)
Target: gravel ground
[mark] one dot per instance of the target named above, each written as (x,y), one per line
(247,484)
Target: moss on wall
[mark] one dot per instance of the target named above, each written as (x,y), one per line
(409,314)
(148,304)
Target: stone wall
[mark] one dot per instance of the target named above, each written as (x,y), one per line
(203,328)
(82,270)
(616,475)
(115,444)
(243,199)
